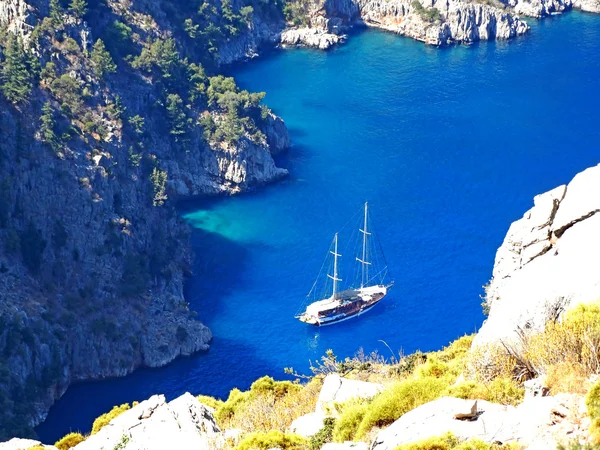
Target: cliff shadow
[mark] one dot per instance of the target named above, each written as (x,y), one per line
(202,373)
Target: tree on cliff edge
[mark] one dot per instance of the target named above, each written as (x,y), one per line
(15,75)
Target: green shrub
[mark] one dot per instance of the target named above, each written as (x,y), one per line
(500,390)
(346,426)
(392,403)
(210,401)
(272,439)
(324,435)
(592,402)
(105,418)
(69,441)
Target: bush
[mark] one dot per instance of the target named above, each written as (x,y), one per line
(592,402)
(500,390)
(392,403)
(272,439)
(324,435)
(346,426)
(69,441)
(268,405)
(576,339)
(210,401)
(105,418)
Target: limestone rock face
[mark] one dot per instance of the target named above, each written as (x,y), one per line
(547,262)
(541,8)
(18,16)
(154,424)
(435,22)
(537,422)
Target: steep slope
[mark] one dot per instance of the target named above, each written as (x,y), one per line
(99,138)
(548,261)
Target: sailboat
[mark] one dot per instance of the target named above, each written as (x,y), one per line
(353,301)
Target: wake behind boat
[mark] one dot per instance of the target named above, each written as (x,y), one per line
(350,302)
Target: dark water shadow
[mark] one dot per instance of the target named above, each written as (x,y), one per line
(83,402)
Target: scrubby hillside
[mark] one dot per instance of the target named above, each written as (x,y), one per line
(109,112)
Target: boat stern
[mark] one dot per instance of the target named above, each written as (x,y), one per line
(308,318)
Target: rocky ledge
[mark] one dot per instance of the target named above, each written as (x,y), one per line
(548,261)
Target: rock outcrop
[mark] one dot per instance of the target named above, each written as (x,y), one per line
(335,389)
(310,37)
(537,423)
(154,424)
(547,262)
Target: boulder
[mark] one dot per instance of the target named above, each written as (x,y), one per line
(338,390)
(309,424)
(154,424)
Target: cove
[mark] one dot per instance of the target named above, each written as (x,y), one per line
(449,146)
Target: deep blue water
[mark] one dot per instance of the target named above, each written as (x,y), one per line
(448,146)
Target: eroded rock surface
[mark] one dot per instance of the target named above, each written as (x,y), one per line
(154,424)
(539,422)
(548,261)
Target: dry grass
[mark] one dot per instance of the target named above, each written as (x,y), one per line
(268,405)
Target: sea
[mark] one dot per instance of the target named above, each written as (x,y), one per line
(448,146)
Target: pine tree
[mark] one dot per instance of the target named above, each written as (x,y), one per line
(56,13)
(15,75)
(103,62)
(78,8)
(47,127)
(177,116)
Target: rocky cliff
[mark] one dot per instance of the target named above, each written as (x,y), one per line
(433,22)
(93,255)
(548,261)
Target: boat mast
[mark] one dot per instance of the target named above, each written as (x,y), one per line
(335,271)
(363,261)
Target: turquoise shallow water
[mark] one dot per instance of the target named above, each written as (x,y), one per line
(449,146)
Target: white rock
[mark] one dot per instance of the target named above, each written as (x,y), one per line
(154,424)
(548,261)
(346,446)
(22,444)
(308,424)
(338,390)
(495,422)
